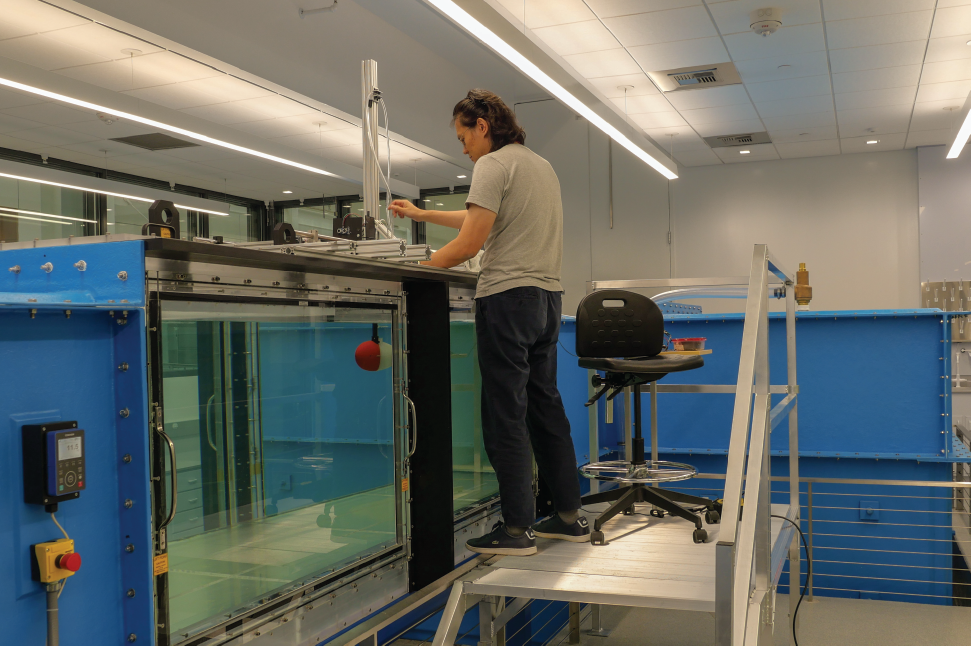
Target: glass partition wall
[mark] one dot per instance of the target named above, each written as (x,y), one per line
(473,479)
(286,452)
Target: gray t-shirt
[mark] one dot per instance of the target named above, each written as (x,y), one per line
(525,246)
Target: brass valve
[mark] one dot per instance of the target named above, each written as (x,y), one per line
(804,291)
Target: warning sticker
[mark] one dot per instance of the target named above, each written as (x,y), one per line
(404,485)
(161,564)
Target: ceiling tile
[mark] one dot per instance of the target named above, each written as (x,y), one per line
(884,119)
(10,123)
(878,30)
(658,120)
(789,89)
(844,9)
(662,26)
(790,150)
(543,13)
(768,69)
(577,37)
(101,130)
(952,3)
(730,128)
(952,21)
(643,103)
(947,49)
(679,137)
(102,41)
(609,86)
(758,152)
(685,53)
(803,134)
(278,106)
(53,136)
(612,8)
(929,138)
(10,98)
(611,62)
(733,17)
(286,126)
(721,114)
(325,140)
(41,52)
(876,98)
(52,114)
(887,77)
(161,68)
(956,90)
(231,112)
(15,143)
(888,142)
(177,96)
(797,106)
(227,87)
(803,122)
(945,71)
(936,115)
(22,17)
(726,95)
(877,56)
(697,157)
(787,42)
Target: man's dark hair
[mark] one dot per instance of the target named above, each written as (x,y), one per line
(482,104)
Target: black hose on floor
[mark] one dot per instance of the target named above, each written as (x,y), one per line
(809,573)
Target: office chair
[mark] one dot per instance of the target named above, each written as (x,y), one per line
(621,334)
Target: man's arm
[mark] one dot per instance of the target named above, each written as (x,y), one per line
(405,209)
(471,238)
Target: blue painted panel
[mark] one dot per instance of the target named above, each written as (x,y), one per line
(98,284)
(870,385)
(56,368)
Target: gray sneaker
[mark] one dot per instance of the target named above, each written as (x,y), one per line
(555,528)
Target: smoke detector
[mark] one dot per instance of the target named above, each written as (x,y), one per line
(765,21)
(108,119)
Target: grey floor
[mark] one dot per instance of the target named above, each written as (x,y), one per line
(825,621)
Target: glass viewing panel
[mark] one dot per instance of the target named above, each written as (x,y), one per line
(473,479)
(285,449)
(30,210)
(311,217)
(437,236)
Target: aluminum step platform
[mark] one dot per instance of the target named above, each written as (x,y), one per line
(647,562)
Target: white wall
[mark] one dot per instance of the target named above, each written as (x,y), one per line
(851,218)
(945,207)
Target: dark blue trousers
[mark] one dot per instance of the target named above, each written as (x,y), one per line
(517,332)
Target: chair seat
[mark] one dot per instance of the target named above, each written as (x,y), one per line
(657,365)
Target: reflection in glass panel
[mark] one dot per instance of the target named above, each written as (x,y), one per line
(30,210)
(310,217)
(240,226)
(437,236)
(125,216)
(402,226)
(473,479)
(285,448)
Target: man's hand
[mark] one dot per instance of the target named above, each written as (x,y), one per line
(473,234)
(405,209)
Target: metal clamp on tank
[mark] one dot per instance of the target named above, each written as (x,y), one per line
(163,220)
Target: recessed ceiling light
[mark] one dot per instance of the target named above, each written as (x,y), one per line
(873,141)
(744,152)
(427,201)
(803,134)
(46,215)
(530,69)
(109,209)
(157,124)
(439,204)
(288,191)
(103,192)
(784,67)
(460,176)
(968,43)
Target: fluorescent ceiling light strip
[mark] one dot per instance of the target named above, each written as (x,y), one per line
(13,215)
(103,192)
(962,137)
(159,124)
(530,69)
(46,215)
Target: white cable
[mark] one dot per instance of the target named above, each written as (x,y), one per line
(367,127)
(59,526)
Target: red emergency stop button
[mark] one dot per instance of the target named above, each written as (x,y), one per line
(69,562)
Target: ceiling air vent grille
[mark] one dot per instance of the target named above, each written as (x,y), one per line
(693,78)
(154,142)
(741,139)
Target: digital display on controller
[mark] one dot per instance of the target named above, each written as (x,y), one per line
(68,448)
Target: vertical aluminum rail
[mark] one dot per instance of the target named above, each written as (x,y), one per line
(743,577)
(369,139)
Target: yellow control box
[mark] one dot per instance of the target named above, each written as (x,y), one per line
(55,560)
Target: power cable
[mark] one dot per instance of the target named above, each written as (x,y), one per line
(64,532)
(809,573)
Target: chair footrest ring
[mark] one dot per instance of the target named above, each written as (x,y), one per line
(648,472)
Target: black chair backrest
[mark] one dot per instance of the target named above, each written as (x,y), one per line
(618,323)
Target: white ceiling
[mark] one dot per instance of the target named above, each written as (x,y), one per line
(837,74)
(167,75)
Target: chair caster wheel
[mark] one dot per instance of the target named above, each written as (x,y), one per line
(657,513)
(629,511)
(597,538)
(712,517)
(700,535)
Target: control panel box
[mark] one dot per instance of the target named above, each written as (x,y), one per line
(54,462)
(354,228)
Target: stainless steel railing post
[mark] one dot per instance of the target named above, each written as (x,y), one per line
(809,537)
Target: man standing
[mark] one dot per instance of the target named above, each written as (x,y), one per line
(514,209)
